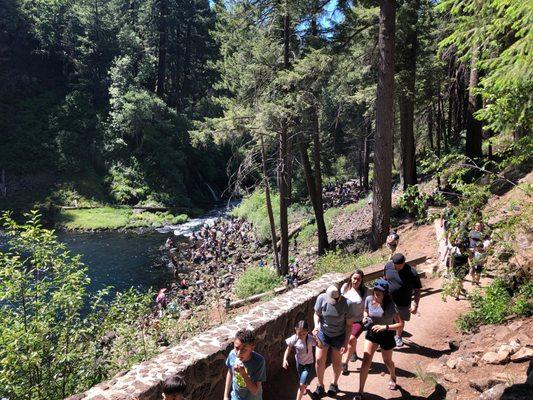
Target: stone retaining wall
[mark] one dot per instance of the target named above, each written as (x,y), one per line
(201,359)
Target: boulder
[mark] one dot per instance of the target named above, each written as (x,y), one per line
(492,357)
(494,393)
(524,354)
(484,384)
(451,363)
(466,363)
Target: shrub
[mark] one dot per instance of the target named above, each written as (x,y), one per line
(414,202)
(256,280)
(496,304)
(523,302)
(46,326)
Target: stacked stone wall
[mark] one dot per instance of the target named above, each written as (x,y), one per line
(200,360)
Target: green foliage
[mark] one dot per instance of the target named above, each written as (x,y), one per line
(501,31)
(46,331)
(256,280)
(523,301)
(253,208)
(336,261)
(114,218)
(414,202)
(495,304)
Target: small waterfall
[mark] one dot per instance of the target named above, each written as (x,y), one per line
(213,194)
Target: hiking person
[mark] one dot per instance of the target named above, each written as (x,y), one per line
(333,321)
(392,242)
(477,263)
(302,342)
(476,236)
(161,300)
(355,293)
(458,263)
(246,369)
(381,319)
(405,287)
(174,388)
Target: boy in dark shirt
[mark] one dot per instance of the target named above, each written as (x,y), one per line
(404,283)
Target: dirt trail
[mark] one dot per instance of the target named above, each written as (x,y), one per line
(426,337)
(427,334)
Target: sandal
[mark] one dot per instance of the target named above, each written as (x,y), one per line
(392,385)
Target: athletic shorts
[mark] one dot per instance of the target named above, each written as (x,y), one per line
(385,339)
(304,373)
(357,329)
(405,313)
(336,341)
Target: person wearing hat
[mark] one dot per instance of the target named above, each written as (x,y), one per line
(404,285)
(333,323)
(381,319)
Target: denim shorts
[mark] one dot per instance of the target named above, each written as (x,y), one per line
(304,373)
(336,341)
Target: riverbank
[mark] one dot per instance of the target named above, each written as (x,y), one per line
(114,218)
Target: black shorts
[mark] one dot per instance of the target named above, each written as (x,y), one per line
(385,339)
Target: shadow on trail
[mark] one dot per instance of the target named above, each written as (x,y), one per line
(429,291)
(414,348)
(378,368)
(439,393)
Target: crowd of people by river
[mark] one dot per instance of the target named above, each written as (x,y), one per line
(339,194)
(205,266)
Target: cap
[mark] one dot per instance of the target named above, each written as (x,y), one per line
(398,258)
(332,294)
(382,285)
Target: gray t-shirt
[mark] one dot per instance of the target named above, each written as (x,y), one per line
(333,316)
(379,315)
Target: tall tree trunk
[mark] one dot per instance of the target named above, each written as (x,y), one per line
(430,127)
(381,201)
(162,51)
(366,159)
(269,207)
(283,164)
(310,182)
(408,19)
(323,244)
(439,132)
(474,129)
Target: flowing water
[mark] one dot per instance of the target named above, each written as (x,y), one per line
(128,259)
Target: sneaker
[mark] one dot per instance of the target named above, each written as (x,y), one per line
(318,393)
(353,357)
(399,341)
(333,389)
(345,369)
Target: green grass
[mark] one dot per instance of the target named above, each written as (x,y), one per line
(335,261)
(253,208)
(114,218)
(256,280)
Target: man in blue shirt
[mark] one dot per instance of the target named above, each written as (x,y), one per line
(246,369)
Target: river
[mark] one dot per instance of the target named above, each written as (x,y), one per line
(129,259)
